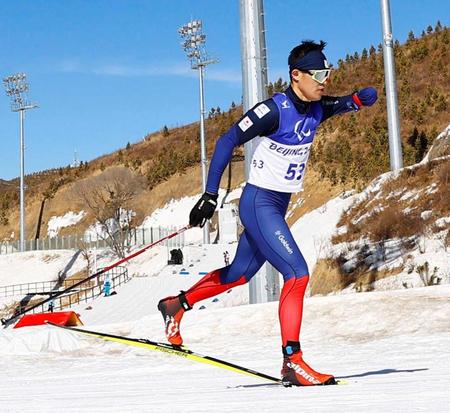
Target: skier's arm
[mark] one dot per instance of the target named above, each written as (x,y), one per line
(261,120)
(333,105)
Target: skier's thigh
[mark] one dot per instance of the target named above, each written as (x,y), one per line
(268,229)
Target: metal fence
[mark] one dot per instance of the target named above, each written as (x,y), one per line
(44,287)
(136,237)
(92,289)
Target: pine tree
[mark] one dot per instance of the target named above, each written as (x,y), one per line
(364,54)
(411,37)
(278,86)
(421,146)
(438,26)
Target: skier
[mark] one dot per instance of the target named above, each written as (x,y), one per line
(107,286)
(283,129)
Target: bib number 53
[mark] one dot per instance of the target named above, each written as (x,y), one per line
(295,171)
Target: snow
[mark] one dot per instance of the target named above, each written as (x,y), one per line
(432,188)
(176,212)
(313,231)
(443,135)
(391,345)
(55,223)
(111,225)
(443,221)
(37,266)
(392,348)
(411,195)
(426,214)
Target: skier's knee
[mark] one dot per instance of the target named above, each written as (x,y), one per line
(287,277)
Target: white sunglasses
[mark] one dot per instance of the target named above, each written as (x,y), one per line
(320,76)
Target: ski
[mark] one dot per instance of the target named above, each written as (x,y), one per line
(173,350)
(177,351)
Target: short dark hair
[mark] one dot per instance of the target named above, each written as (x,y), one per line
(304,48)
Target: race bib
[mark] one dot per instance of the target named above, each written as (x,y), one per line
(278,167)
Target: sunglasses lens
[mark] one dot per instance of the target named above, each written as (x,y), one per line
(321,75)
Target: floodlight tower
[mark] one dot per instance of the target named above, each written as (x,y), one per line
(17,89)
(194,45)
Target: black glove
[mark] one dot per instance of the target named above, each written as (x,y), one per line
(203,210)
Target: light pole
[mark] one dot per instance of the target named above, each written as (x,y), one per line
(265,285)
(17,89)
(194,46)
(395,145)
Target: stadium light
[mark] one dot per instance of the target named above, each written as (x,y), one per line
(193,45)
(17,88)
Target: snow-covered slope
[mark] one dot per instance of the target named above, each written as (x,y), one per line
(35,266)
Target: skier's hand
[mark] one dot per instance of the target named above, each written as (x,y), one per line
(203,210)
(365,97)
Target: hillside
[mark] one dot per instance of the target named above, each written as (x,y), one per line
(394,234)
(350,150)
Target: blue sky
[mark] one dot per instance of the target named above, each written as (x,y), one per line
(107,72)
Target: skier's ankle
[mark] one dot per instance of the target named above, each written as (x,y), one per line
(184,302)
(291,347)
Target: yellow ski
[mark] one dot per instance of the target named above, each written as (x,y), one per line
(176,351)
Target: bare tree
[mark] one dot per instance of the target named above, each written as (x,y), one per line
(85,252)
(109,200)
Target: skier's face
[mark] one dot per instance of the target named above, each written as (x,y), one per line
(306,87)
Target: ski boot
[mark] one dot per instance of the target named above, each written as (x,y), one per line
(172,310)
(296,372)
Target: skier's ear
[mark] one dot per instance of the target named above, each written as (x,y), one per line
(295,75)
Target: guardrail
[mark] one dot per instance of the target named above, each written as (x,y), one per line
(44,287)
(117,277)
(137,237)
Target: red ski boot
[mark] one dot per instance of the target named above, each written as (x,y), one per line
(296,372)
(172,310)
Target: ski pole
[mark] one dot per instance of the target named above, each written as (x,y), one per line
(7,322)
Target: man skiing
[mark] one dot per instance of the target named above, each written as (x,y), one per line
(282,129)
